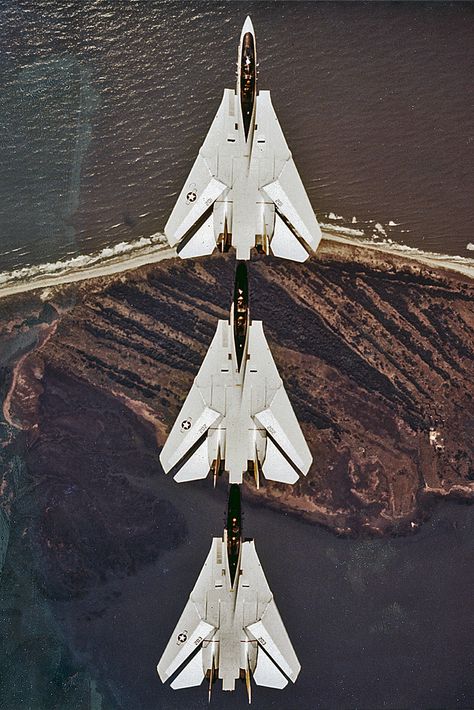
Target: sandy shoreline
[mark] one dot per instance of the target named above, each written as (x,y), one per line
(154,254)
(461,265)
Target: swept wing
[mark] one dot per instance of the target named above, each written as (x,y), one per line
(200,190)
(211,603)
(284,186)
(197,414)
(230,187)
(286,446)
(190,631)
(276,658)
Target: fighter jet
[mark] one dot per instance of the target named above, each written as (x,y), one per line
(244,189)
(237,416)
(230,628)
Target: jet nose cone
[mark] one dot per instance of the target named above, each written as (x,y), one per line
(248,27)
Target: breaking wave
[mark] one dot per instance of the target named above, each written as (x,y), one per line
(390,245)
(347,231)
(376,234)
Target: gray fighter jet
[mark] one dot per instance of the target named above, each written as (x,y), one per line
(230,628)
(244,189)
(237,416)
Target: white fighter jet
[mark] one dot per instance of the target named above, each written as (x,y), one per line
(244,189)
(237,416)
(230,628)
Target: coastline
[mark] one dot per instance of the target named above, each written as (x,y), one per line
(128,257)
(459,264)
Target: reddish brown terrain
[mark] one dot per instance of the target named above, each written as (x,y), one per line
(376,353)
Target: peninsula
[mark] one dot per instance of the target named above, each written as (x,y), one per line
(375,349)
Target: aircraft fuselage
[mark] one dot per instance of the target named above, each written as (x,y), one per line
(247,78)
(240,318)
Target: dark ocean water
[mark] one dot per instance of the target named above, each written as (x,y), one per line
(375,623)
(103,107)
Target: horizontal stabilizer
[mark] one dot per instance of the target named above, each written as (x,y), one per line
(280,422)
(284,243)
(187,431)
(191,675)
(201,243)
(199,192)
(187,636)
(271,633)
(196,467)
(289,196)
(276,467)
(266,673)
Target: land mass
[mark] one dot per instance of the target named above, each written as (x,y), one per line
(375,350)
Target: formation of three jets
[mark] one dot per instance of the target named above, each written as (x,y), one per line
(243,191)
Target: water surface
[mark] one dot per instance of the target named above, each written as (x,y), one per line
(103,108)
